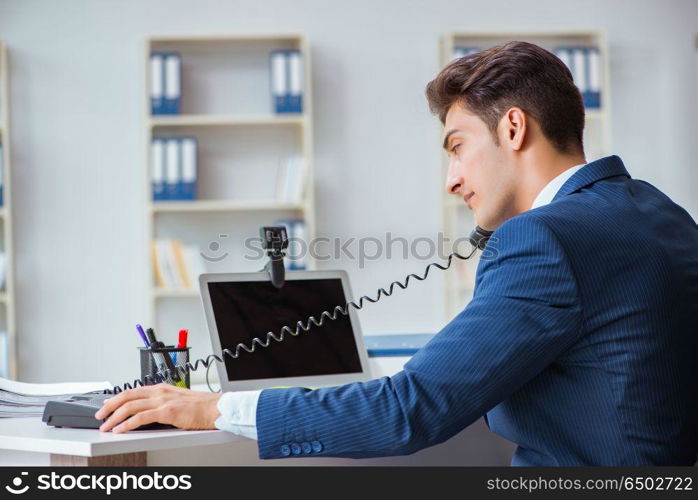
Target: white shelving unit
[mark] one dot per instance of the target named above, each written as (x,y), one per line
(7,301)
(227,106)
(457,219)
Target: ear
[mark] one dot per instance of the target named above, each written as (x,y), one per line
(513,128)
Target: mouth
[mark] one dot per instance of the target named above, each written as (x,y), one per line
(467,198)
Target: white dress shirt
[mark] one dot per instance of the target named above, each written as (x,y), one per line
(239,409)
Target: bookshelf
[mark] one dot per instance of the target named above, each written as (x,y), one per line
(457,219)
(7,301)
(226,104)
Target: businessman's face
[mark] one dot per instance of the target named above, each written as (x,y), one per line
(479,171)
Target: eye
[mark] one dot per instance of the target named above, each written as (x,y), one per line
(454,148)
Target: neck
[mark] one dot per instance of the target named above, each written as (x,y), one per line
(538,169)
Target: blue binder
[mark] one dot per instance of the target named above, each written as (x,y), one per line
(188,160)
(157,84)
(172,67)
(278,79)
(593,59)
(585,65)
(173,169)
(158,168)
(295,81)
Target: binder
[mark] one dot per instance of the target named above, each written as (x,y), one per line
(157,149)
(172,169)
(157,85)
(295,82)
(593,99)
(278,63)
(2,176)
(585,65)
(173,83)
(189,168)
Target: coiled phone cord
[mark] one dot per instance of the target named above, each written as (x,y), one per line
(478,239)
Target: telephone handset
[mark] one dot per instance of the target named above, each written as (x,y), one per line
(478,239)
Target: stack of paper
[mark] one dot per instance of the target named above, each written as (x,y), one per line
(20,399)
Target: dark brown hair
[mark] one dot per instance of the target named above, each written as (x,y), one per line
(520,74)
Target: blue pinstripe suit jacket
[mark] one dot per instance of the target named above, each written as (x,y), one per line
(580,345)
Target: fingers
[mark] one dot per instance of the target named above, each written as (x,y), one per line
(142,418)
(114,402)
(128,409)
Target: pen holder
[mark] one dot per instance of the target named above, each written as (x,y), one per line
(153,360)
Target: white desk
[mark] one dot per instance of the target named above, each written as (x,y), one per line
(92,447)
(28,441)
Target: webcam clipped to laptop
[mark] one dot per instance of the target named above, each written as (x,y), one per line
(242,306)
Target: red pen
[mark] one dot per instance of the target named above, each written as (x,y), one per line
(182,339)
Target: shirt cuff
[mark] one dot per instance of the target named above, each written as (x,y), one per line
(238,413)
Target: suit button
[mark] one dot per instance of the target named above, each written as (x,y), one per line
(285,450)
(295,448)
(306,447)
(317,446)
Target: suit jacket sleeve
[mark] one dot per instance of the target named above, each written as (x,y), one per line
(524,313)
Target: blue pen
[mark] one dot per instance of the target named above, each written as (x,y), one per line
(142,334)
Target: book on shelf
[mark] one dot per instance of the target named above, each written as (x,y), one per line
(296,258)
(287,81)
(291,180)
(165,83)
(177,266)
(174,167)
(585,65)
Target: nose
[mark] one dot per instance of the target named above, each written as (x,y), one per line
(454,184)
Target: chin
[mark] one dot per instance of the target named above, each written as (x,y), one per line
(487,223)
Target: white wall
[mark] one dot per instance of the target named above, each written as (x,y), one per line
(76,87)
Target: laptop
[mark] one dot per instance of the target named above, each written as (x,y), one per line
(241,306)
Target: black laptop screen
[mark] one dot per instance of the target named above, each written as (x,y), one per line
(247,309)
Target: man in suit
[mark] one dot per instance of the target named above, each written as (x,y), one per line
(580,343)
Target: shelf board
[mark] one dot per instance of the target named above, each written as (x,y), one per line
(223,206)
(164,293)
(253,37)
(224,120)
(553,34)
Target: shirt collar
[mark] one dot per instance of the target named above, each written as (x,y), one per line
(550,190)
